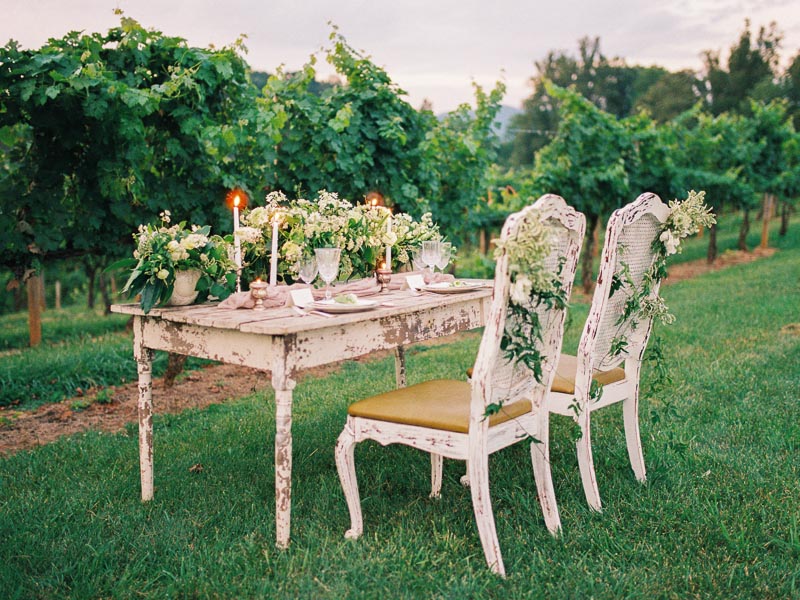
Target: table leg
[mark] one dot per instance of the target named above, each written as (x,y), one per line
(283,387)
(144,365)
(400,366)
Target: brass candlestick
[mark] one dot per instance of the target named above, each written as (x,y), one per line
(258,290)
(384,276)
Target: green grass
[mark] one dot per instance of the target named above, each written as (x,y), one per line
(68,324)
(53,372)
(718,518)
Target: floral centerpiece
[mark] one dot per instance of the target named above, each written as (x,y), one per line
(362,232)
(163,251)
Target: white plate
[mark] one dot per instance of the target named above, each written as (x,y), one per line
(332,306)
(447,287)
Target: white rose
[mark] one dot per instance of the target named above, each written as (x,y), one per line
(670,242)
(521,290)
(162,274)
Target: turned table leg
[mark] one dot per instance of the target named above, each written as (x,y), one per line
(144,364)
(283,387)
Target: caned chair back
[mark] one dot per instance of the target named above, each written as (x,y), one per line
(496,378)
(628,254)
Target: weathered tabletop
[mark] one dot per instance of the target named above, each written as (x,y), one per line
(282,342)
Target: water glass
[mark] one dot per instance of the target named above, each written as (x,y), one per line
(307,269)
(445,254)
(328,264)
(431,251)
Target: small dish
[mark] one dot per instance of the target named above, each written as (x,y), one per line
(331,306)
(452,287)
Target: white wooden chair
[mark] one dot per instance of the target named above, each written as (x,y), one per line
(630,235)
(447,417)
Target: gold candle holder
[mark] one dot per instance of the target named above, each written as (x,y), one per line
(384,276)
(258,290)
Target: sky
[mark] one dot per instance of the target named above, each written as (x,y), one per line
(433,49)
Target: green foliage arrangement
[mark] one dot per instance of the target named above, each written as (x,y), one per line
(163,250)
(531,287)
(362,232)
(643,302)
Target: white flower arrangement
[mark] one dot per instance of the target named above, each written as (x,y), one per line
(360,231)
(162,250)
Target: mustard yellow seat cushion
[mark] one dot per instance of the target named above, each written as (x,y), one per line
(564,380)
(437,404)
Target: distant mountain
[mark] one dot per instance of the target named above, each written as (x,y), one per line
(502,122)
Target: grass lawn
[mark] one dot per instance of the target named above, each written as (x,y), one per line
(718,518)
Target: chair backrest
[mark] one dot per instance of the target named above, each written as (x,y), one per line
(628,254)
(496,379)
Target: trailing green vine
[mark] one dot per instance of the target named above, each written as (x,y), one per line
(532,286)
(643,302)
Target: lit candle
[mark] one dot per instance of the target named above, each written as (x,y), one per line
(273,259)
(237,244)
(389,246)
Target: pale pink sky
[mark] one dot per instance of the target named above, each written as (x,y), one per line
(432,48)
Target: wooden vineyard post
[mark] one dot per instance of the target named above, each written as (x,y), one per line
(768,204)
(34,286)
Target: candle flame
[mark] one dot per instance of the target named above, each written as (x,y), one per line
(236,200)
(383,264)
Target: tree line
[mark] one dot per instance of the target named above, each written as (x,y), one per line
(100,132)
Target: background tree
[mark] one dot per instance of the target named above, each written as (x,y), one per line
(710,155)
(363,136)
(752,65)
(671,95)
(586,164)
(462,148)
(105,131)
(352,138)
(111,129)
(791,90)
(608,83)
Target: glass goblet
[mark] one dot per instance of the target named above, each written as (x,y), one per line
(328,264)
(430,253)
(307,269)
(445,254)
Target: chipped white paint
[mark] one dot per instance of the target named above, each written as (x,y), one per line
(633,227)
(475,446)
(279,341)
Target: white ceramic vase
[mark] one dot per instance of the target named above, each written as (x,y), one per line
(183,291)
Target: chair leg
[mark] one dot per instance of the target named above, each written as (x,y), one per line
(436,475)
(630,413)
(478,472)
(345,465)
(540,457)
(586,462)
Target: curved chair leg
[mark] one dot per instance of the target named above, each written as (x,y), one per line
(478,472)
(436,475)
(540,458)
(630,413)
(345,465)
(586,463)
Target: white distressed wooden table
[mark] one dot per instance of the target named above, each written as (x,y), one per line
(284,343)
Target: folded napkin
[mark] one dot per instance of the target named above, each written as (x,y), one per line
(279,295)
(398,281)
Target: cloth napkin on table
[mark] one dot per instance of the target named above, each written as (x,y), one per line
(398,281)
(278,295)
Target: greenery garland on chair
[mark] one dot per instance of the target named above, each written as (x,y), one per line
(686,217)
(532,285)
